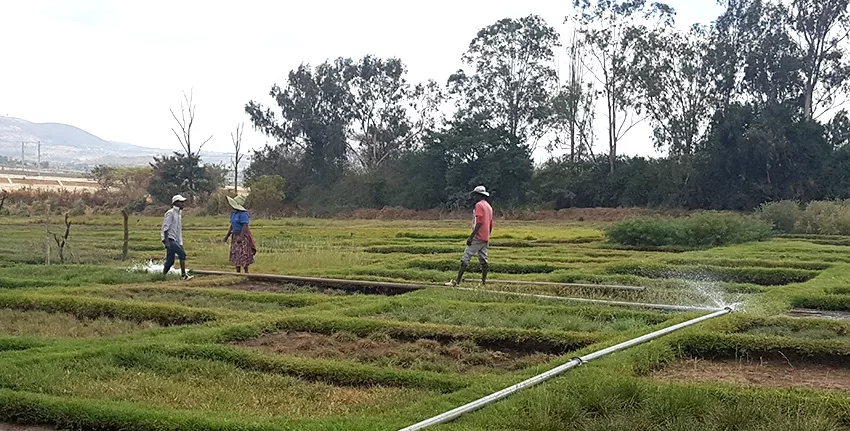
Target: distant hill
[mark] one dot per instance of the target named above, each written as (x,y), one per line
(69,146)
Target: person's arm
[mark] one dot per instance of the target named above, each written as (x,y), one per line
(166,226)
(247,230)
(229,232)
(474,233)
(479,218)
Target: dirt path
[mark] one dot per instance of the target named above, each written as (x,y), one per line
(768,373)
(820,314)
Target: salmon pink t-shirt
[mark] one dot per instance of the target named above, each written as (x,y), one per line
(484,215)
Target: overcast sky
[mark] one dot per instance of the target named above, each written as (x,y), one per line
(114,68)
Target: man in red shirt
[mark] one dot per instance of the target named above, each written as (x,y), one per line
(479,240)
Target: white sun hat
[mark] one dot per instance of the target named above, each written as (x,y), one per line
(178,198)
(481,190)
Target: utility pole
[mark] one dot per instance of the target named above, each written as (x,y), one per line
(22,154)
(38,165)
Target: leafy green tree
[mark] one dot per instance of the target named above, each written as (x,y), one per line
(268,193)
(838,130)
(822,29)
(754,56)
(677,84)
(756,154)
(105,176)
(573,108)
(475,154)
(279,160)
(612,30)
(180,174)
(315,110)
(511,78)
(383,101)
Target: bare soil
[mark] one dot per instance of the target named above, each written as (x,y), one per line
(260,286)
(256,286)
(767,373)
(821,314)
(30,181)
(422,354)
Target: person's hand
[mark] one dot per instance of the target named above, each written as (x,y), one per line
(469,241)
(225,240)
(167,243)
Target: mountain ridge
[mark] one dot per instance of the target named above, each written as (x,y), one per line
(70,146)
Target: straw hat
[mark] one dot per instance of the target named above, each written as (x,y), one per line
(237,203)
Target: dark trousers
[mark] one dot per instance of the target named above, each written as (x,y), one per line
(171,251)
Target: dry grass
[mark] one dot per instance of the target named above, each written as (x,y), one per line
(43,324)
(379,349)
(218,387)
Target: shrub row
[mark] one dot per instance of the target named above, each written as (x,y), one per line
(754,263)
(834,242)
(412,249)
(809,236)
(417,235)
(841,290)
(700,230)
(817,217)
(595,312)
(71,414)
(577,240)
(447,236)
(499,267)
(9,343)
(293,300)
(513,244)
(556,342)
(92,308)
(747,323)
(34,276)
(760,276)
(822,302)
(329,371)
(712,345)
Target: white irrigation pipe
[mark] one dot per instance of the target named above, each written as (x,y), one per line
(666,307)
(405,287)
(540,378)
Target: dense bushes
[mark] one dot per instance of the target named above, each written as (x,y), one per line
(760,276)
(817,217)
(782,214)
(267,194)
(536,340)
(700,231)
(822,302)
(93,308)
(411,249)
(500,267)
(715,345)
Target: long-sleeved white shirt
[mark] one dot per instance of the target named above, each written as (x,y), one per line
(172,225)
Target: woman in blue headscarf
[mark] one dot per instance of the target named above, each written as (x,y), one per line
(242,246)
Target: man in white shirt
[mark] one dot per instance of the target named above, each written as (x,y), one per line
(172,236)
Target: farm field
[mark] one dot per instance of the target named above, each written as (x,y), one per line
(92,345)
